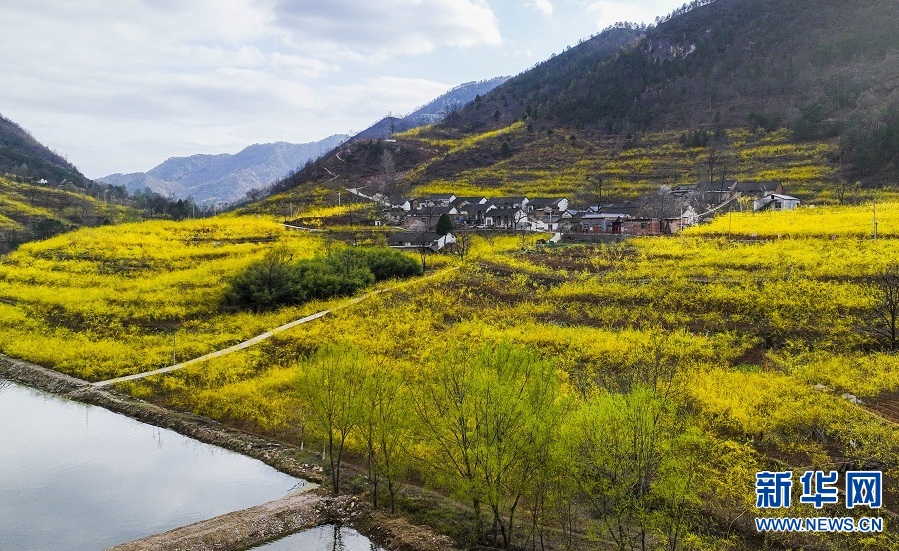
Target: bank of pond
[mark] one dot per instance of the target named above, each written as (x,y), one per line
(79,477)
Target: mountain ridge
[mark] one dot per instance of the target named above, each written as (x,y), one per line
(432,112)
(224,177)
(23,156)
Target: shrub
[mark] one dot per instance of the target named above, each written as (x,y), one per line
(267,283)
(387,263)
(276,281)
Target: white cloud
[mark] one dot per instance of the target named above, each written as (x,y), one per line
(608,12)
(387,27)
(544,6)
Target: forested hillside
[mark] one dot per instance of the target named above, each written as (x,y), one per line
(824,69)
(23,156)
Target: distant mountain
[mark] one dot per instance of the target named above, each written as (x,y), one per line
(433,111)
(224,178)
(22,156)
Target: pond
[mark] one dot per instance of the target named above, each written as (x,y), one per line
(322,538)
(79,477)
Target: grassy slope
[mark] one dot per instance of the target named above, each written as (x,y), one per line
(106,301)
(29,212)
(560,163)
(566,162)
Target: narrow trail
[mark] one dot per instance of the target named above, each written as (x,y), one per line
(335,176)
(268,334)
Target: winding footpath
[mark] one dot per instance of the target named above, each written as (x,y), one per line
(260,338)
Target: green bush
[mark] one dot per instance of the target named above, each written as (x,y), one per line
(277,281)
(265,284)
(387,263)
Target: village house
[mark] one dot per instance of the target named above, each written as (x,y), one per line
(597,222)
(775,201)
(400,203)
(439,200)
(506,219)
(474,214)
(428,217)
(460,202)
(545,213)
(419,239)
(620,219)
(555,204)
(514,202)
(650,226)
(549,222)
(756,190)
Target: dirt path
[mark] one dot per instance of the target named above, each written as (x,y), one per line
(268,334)
(239,346)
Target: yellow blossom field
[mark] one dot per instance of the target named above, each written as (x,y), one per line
(720,356)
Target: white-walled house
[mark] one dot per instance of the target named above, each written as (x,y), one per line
(775,201)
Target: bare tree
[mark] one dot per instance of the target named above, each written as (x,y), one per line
(845,188)
(423,246)
(463,242)
(591,192)
(884,293)
(388,170)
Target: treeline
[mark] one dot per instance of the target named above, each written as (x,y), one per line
(155,205)
(686,8)
(498,429)
(871,142)
(278,280)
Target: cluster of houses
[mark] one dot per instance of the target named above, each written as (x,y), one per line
(767,195)
(419,217)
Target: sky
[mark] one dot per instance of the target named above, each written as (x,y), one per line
(122,86)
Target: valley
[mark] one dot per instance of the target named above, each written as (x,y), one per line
(621,300)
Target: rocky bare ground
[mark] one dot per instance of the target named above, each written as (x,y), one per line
(241,529)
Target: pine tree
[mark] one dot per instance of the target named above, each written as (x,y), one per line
(444,224)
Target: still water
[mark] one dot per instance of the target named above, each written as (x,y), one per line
(79,477)
(323,538)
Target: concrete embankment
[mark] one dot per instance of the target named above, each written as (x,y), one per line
(238,530)
(242,530)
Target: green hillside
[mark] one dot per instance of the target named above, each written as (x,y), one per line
(811,65)
(29,212)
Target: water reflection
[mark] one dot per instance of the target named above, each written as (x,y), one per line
(79,477)
(323,538)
